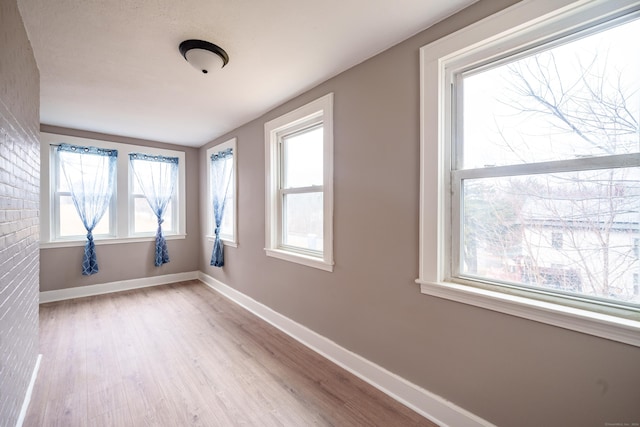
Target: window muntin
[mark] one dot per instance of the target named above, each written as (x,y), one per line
(547,142)
(117,224)
(299,174)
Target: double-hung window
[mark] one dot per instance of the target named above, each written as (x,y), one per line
(153,172)
(221,164)
(537,132)
(67,223)
(299,153)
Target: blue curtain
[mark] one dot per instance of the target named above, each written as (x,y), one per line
(157,177)
(90,173)
(221,172)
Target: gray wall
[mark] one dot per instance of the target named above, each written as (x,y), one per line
(129,260)
(508,370)
(19,204)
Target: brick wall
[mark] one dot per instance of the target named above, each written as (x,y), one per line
(19,204)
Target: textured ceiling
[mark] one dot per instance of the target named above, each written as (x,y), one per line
(114,66)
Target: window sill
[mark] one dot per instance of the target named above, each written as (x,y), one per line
(601,325)
(226,242)
(107,241)
(309,261)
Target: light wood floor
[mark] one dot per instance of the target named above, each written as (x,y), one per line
(180,355)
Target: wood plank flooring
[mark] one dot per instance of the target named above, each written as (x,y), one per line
(182,355)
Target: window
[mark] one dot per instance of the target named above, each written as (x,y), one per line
(68,223)
(129,217)
(152,180)
(227,153)
(538,165)
(299,175)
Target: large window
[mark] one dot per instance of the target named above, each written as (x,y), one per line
(67,222)
(539,149)
(152,180)
(299,152)
(129,216)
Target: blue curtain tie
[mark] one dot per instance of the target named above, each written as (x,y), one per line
(89,260)
(217,256)
(162,252)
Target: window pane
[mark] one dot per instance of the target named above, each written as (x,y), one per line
(303,158)
(303,221)
(145,219)
(575,232)
(577,99)
(226,228)
(63,185)
(71,224)
(136,184)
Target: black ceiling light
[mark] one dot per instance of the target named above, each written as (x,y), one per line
(203,56)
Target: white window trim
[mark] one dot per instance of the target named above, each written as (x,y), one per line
(228,240)
(122,231)
(321,107)
(527,21)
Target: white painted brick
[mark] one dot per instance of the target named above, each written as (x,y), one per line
(19,212)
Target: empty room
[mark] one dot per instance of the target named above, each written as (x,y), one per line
(335,213)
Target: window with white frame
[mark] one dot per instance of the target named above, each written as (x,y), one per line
(299,193)
(66,222)
(129,217)
(538,162)
(225,156)
(144,220)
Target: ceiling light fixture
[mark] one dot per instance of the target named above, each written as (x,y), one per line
(203,56)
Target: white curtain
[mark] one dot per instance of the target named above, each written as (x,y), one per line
(90,173)
(221,173)
(157,176)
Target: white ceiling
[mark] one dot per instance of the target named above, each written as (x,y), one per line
(113,66)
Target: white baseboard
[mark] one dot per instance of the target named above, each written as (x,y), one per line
(428,404)
(122,285)
(27,396)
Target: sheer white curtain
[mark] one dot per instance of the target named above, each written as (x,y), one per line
(90,173)
(221,173)
(157,176)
